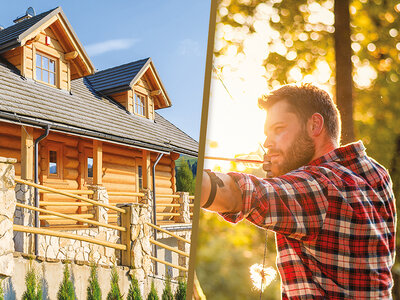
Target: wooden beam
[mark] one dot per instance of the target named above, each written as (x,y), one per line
(112,207)
(71,55)
(154,242)
(155,93)
(166,263)
(75,44)
(36,32)
(66,235)
(23,64)
(146,169)
(35,39)
(97,162)
(26,153)
(168,232)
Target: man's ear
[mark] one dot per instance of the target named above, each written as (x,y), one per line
(315,124)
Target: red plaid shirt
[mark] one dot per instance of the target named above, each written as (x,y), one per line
(335,225)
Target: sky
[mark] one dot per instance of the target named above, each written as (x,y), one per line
(173,33)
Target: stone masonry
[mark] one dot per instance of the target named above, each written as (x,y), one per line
(7,209)
(62,248)
(24,241)
(183,209)
(138,256)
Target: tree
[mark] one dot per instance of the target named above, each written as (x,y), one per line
(114,293)
(344,82)
(167,293)
(153,293)
(33,286)
(180,293)
(66,290)
(93,289)
(134,291)
(184,178)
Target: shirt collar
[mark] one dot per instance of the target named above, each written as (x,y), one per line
(347,152)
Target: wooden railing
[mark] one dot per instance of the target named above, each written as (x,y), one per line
(154,242)
(160,215)
(88,219)
(83,218)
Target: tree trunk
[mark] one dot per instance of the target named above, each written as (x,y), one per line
(395,174)
(344,81)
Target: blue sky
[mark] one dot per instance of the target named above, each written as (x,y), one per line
(173,33)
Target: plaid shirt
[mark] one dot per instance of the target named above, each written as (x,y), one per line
(335,225)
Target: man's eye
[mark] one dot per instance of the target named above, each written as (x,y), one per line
(278,129)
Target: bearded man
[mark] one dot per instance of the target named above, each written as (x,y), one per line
(332,207)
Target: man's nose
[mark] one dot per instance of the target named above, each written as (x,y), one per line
(268,142)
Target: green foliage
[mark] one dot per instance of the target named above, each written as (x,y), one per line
(184,178)
(180,293)
(134,291)
(1,290)
(114,293)
(153,292)
(167,293)
(33,286)
(66,290)
(93,289)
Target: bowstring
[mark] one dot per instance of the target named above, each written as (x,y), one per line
(263,265)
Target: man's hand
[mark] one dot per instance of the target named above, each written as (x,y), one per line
(227,198)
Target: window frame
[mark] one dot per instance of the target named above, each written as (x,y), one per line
(39,53)
(138,178)
(88,154)
(135,104)
(58,148)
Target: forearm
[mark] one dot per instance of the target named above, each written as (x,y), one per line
(228,198)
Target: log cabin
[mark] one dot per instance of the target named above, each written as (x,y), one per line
(91,128)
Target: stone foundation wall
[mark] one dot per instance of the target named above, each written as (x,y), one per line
(7,209)
(62,248)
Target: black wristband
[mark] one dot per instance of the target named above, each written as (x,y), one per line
(215,180)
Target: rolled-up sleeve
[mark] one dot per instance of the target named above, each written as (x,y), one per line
(293,205)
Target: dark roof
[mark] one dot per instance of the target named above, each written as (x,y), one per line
(86,112)
(118,78)
(11,36)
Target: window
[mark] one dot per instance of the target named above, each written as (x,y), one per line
(90,167)
(53,162)
(45,69)
(140,105)
(140,178)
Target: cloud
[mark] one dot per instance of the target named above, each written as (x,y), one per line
(110,45)
(189,47)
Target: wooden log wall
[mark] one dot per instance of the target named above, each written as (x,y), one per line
(10,144)
(119,172)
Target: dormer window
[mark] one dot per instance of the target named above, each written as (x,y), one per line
(140,105)
(45,69)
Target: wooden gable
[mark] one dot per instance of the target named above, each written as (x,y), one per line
(54,39)
(147,85)
(150,80)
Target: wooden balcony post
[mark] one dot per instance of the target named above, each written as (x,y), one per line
(146,170)
(97,162)
(125,221)
(27,153)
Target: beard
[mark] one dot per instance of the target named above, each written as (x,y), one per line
(299,154)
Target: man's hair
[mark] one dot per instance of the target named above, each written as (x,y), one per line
(305,100)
